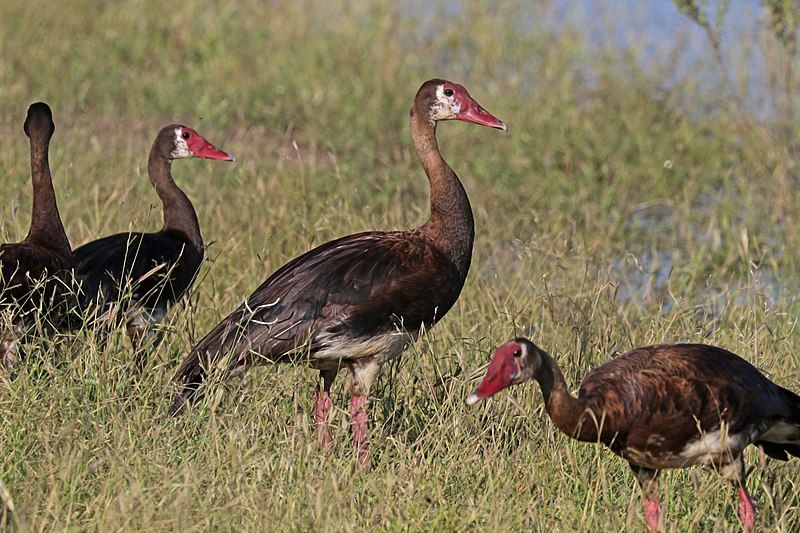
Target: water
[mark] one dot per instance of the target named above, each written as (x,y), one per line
(662,39)
(653,32)
(675,49)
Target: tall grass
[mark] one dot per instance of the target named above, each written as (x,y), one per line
(615,213)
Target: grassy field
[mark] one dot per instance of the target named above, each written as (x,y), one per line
(615,213)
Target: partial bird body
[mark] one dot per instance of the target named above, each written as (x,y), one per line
(37,285)
(712,403)
(157,267)
(348,299)
(28,270)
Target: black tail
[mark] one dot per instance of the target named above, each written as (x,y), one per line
(779,451)
(206,355)
(190,376)
(782,450)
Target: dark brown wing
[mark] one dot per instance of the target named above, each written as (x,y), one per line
(153,269)
(676,392)
(357,286)
(38,280)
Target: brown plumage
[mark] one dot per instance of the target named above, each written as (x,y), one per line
(36,283)
(354,303)
(667,406)
(149,272)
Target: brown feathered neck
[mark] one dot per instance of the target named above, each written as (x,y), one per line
(179,213)
(46,228)
(451,227)
(568,413)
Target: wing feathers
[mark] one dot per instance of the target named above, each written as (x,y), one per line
(360,285)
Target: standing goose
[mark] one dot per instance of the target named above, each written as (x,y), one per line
(355,302)
(35,279)
(149,272)
(667,406)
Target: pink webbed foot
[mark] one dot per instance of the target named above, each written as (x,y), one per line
(358,425)
(322,410)
(747,511)
(652,515)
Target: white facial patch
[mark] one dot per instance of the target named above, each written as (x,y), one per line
(181,149)
(444,107)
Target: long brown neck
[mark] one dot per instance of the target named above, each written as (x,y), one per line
(569,414)
(179,214)
(46,227)
(451,227)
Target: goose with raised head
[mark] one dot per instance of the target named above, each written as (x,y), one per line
(666,406)
(354,303)
(36,279)
(149,272)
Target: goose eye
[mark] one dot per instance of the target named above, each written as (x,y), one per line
(449,92)
(517,352)
(185,135)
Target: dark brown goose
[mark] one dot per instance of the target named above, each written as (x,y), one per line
(667,406)
(35,286)
(149,272)
(354,303)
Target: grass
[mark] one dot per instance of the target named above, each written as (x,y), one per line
(615,213)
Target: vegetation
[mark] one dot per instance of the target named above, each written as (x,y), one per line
(624,207)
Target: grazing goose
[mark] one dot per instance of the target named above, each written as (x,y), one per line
(667,406)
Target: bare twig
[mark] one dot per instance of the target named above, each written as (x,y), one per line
(695,10)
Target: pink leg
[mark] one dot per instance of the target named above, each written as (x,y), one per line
(652,514)
(648,480)
(358,425)
(322,410)
(747,511)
